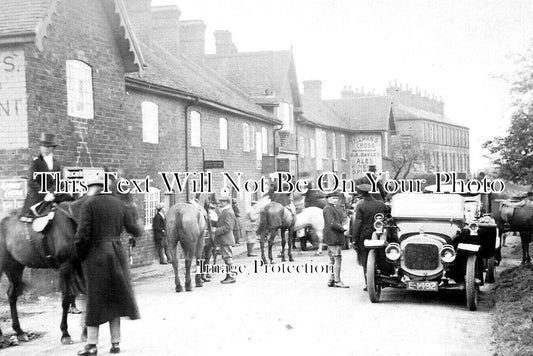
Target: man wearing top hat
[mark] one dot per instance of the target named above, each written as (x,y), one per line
(44,162)
(334,236)
(363,227)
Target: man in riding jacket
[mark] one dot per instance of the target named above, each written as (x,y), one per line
(363,227)
(160,235)
(45,163)
(224,234)
(334,236)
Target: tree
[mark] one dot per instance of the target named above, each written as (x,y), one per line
(513,153)
(406,152)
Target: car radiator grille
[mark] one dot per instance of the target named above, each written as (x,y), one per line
(421,256)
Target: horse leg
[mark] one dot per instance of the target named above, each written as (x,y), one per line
(320,243)
(525,239)
(291,242)
(175,267)
(188,284)
(262,239)
(66,297)
(14,274)
(282,245)
(270,244)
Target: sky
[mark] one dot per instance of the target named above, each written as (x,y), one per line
(457,49)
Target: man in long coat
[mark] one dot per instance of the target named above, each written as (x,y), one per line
(224,234)
(363,227)
(334,237)
(160,235)
(105,264)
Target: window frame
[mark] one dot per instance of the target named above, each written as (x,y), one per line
(80,91)
(150,122)
(223,127)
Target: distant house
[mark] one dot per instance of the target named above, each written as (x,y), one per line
(373,120)
(269,79)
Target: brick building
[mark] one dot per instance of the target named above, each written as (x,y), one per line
(444,145)
(372,118)
(100,76)
(269,79)
(323,136)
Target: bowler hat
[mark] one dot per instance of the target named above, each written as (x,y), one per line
(364,187)
(224,198)
(334,193)
(98,179)
(47,140)
(372,168)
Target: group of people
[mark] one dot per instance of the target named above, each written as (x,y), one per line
(104,217)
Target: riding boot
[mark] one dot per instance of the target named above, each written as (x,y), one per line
(337,273)
(250,248)
(228,279)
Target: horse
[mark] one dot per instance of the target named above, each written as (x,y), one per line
(21,247)
(312,217)
(516,217)
(186,224)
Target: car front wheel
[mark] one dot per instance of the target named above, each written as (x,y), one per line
(374,288)
(470,283)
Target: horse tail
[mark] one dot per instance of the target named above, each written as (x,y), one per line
(3,244)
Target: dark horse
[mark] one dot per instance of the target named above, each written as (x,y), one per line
(186,224)
(516,218)
(21,247)
(275,217)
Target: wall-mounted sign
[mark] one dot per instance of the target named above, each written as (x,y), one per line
(211,164)
(365,150)
(12,193)
(13,110)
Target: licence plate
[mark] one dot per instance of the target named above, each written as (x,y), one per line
(423,285)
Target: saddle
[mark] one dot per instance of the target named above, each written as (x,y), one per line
(507,209)
(43,213)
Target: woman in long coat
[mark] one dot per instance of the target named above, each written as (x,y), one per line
(105,264)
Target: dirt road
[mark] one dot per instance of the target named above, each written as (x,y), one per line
(277,314)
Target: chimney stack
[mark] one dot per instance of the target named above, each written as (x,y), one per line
(347,93)
(313,89)
(192,40)
(140,14)
(165,28)
(223,43)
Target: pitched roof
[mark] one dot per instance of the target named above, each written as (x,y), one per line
(366,113)
(23,21)
(260,74)
(183,75)
(317,113)
(408,112)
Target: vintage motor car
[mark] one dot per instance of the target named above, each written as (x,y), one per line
(426,244)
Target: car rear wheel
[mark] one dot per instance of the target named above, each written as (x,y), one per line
(491,268)
(374,288)
(470,283)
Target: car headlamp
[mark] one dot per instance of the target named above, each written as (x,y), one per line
(447,254)
(378,225)
(393,251)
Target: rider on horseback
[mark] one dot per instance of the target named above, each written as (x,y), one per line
(37,203)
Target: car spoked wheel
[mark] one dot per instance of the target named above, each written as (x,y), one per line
(374,288)
(470,283)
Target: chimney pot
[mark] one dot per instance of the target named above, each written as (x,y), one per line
(313,88)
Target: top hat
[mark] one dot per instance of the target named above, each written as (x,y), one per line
(224,198)
(364,187)
(47,140)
